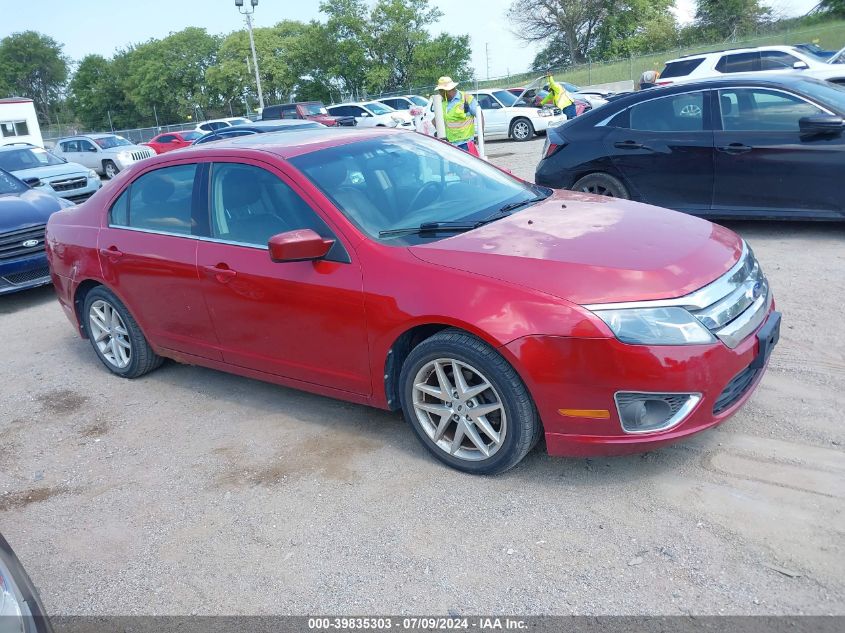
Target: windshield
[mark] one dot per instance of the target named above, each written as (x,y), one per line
(507,98)
(827,93)
(839,58)
(191,136)
(240,121)
(108,142)
(420,101)
(379,108)
(405,180)
(10,184)
(27,158)
(816,52)
(312,109)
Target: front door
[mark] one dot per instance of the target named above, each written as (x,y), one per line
(494,115)
(89,155)
(302,320)
(664,149)
(148,256)
(765,166)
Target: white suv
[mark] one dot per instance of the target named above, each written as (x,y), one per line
(504,118)
(740,60)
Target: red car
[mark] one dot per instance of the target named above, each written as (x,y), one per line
(390,269)
(168,141)
(307,110)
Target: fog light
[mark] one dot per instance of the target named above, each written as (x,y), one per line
(650,412)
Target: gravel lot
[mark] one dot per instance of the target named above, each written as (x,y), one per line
(193,491)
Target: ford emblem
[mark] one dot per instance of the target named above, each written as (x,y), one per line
(30,243)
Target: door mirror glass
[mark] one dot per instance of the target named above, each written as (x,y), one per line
(800,65)
(821,124)
(297,246)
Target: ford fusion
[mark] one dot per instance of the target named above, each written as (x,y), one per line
(390,269)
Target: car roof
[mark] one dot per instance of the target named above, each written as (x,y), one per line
(11,146)
(742,49)
(289,143)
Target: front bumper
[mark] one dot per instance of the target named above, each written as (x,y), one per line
(24,273)
(75,194)
(543,123)
(577,374)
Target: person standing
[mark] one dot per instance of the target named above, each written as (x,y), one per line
(559,97)
(459,112)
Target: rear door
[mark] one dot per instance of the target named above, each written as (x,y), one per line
(148,255)
(664,149)
(765,166)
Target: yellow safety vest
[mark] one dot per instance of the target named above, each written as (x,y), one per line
(558,95)
(460,124)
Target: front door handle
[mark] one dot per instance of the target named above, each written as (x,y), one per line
(735,148)
(221,272)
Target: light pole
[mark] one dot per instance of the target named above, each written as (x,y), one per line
(248,13)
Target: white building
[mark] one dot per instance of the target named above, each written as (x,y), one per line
(18,122)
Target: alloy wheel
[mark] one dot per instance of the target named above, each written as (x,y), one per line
(110,334)
(597,190)
(111,170)
(459,409)
(520,130)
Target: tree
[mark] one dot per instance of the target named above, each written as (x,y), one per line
(574,23)
(635,27)
(32,65)
(834,8)
(727,19)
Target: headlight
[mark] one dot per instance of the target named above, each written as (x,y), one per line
(92,174)
(545,112)
(124,155)
(656,326)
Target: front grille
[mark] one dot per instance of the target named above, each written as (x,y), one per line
(141,155)
(80,198)
(736,388)
(12,243)
(28,276)
(69,184)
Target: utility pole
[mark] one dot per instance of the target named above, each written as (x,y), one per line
(487,51)
(248,13)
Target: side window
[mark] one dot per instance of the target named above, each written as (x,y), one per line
(776,60)
(739,63)
(249,205)
(485,101)
(339,111)
(678,113)
(289,113)
(761,110)
(167,138)
(160,200)
(357,111)
(70,146)
(86,146)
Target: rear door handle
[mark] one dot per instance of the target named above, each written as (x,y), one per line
(735,148)
(112,253)
(630,145)
(221,273)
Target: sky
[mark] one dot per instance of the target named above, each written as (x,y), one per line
(102,26)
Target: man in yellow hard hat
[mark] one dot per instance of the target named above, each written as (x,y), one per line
(459,112)
(559,97)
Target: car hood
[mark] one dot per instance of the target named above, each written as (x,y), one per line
(590,249)
(52,171)
(30,208)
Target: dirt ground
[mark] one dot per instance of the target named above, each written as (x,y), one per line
(193,491)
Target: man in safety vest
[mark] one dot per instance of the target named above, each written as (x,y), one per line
(559,97)
(459,112)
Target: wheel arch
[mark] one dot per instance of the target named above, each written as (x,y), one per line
(79,296)
(517,119)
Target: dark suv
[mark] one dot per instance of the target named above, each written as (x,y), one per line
(309,110)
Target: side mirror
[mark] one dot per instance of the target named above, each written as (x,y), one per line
(298,246)
(799,65)
(495,105)
(365,114)
(821,124)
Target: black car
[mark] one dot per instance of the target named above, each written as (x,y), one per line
(739,147)
(20,606)
(258,127)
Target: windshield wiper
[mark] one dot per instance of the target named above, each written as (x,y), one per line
(431,227)
(505,210)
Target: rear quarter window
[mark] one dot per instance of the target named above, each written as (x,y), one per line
(680,68)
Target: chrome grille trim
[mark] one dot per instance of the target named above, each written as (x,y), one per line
(731,307)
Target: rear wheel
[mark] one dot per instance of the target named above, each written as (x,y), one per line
(602,185)
(467,405)
(522,130)
(115,335)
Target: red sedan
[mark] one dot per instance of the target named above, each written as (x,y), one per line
(391,269)
(169,141)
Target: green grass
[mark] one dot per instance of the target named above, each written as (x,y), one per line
(830,35)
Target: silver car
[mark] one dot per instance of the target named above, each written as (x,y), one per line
(106,154)
(42,170)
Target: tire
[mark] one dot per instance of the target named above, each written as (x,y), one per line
(602,185)
(521,130)
(510,413)
(110,169)
(117,340)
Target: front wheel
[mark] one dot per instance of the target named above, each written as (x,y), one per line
(467,405)
(522,130)
(110,169)
(602,185)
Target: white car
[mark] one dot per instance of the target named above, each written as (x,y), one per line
(373,114)
(216,124)
(107,154)
(405,102)
(740,60)
(504,118)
